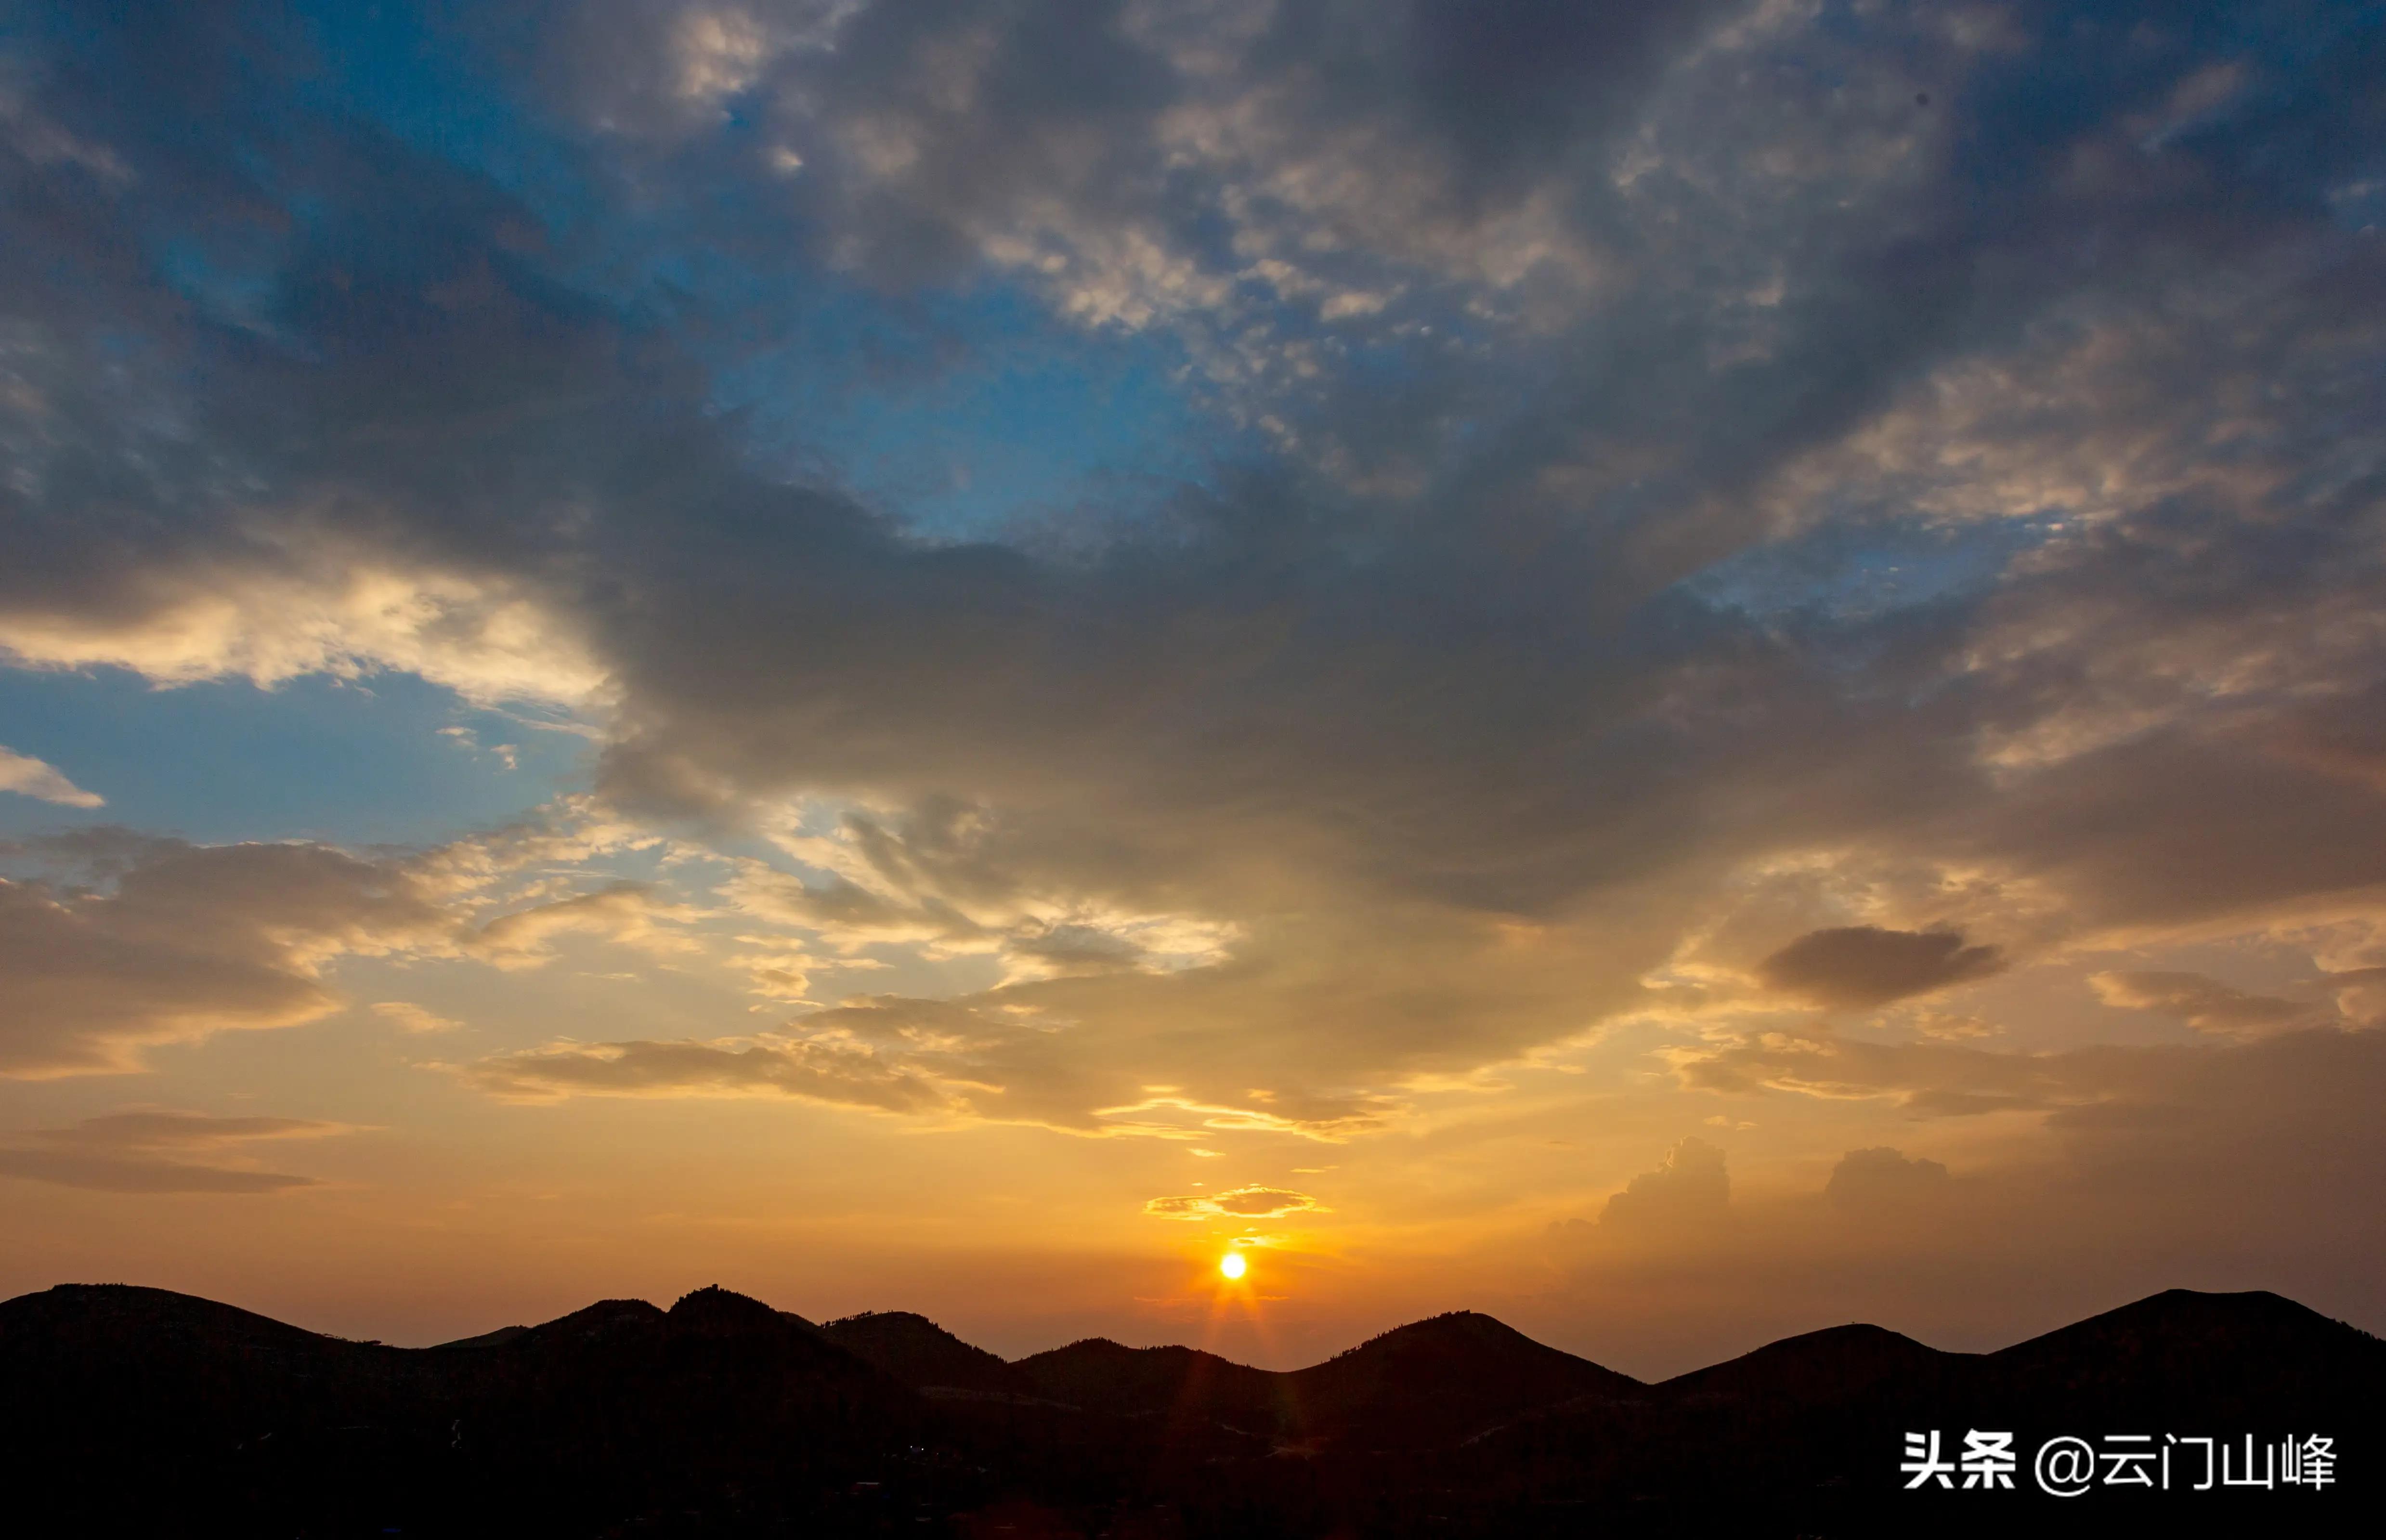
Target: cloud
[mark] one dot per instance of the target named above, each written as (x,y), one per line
(842,1073)
(30,777)
(183,1131)
(955,878)
(115,1174)
(313,602)
(147,1152)
(988,1057)
(624,913)
(1931,1079)
(111,942)
(1238,1203)
(1336,150)
(2256,1092)
(183,941)
(1858,967)
(2216,1162)
(1690,1188)
(2205,1004)
(411,1017)
(1076,949)
(1866,1179)
(1730,480)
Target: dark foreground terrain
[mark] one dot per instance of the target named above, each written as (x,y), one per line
(136,1411)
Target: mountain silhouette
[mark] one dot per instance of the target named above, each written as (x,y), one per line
(1429,1382)
(2237,1354)
(1443,1379)
(140,1411)
(1829,1365)
(1183,1383)
(919,1352)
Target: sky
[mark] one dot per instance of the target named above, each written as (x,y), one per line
(1683,673)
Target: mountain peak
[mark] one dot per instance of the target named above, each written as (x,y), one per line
(1833,1363)
(1446,1376)
(1469,1326)
(71,1308)
(918,1351)
(2163,1333)
(605,1317)
(715,1311)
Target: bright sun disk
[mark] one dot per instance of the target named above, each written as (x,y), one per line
(1231,1264)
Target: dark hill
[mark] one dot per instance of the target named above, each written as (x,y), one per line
(1828,1365)
(1432,1381)
(1804,1435)
(919,1352)
(138,1412)
(2229,1359)
(1442,1379)
(606,1317)
(599,1415)
(88,1317)
(1180,1384)
(86,1357)
(2157,1334)
(487,1339)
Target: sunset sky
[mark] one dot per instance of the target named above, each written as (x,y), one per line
(1681,672)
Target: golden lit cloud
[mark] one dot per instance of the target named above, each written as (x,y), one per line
(29,776)
(413,1018)
(1238,1203)
(843,1074)
(2208,1005)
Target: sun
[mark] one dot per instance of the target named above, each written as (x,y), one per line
(1232,1264)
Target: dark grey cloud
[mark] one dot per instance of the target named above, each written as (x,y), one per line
(1857,966)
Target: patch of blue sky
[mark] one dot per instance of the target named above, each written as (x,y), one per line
(1842,573)
(2360,205)
(403,72)
(363,762)
(965,412)
(218,283)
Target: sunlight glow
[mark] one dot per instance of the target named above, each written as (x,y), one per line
(1231,1264)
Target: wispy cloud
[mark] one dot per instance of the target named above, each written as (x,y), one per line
(29,777)
(1238,1203)
(157,1152)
